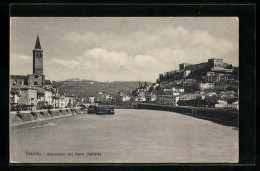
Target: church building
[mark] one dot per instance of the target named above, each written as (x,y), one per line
(33,91)
(37,79)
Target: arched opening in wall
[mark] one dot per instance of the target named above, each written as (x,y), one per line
(35,83)
(36,76)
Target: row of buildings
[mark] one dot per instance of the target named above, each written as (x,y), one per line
(104,98)
(213,83)
(34,91)
(178,97)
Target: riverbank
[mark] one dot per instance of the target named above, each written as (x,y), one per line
(217,115)
(220,116)
(26,117)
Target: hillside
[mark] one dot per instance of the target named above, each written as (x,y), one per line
(86,88)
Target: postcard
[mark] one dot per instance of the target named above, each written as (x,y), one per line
(124,90)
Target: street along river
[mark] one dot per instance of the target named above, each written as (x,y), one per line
(129,136)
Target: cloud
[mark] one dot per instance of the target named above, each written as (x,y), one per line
(145,42)
(143,54)
(129,54)
(104,65)
(72,64)
(144,61)
(18,63)
(104,59)
(75,37)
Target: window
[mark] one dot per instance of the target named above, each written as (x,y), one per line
(35,83)
(36,76)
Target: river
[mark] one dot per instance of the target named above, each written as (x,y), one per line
(129,136)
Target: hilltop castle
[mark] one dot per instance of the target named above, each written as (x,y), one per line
(213,71)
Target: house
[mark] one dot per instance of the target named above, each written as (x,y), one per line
(185,97)
(235,105)
(126,98)
(48,96)
(221,104)
(41,103)
(142,97)
(168,99)
(69,100)
(28,97)
(91,99)
(151,97)
(14,96)
(62,101)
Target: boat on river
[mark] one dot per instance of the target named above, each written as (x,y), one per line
(101,110)
(105,111)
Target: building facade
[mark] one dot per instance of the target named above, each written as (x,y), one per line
(33,91)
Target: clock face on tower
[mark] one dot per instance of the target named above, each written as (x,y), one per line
(38,60)
(38,55)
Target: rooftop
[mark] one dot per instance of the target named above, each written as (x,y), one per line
(18,76)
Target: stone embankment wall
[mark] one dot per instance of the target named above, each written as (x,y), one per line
(117,105)
(27,116)
(220,116)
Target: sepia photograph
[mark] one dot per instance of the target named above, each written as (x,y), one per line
(124,90)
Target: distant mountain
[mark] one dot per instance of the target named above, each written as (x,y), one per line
(84,88)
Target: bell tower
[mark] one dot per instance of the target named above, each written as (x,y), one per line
(37,58)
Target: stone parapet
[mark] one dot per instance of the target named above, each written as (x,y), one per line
(21,117)
(221,116)
(25,116)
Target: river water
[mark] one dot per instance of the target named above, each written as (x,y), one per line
(129,136)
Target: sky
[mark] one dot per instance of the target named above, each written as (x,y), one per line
(120,48)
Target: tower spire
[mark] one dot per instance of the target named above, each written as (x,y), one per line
(37,44)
